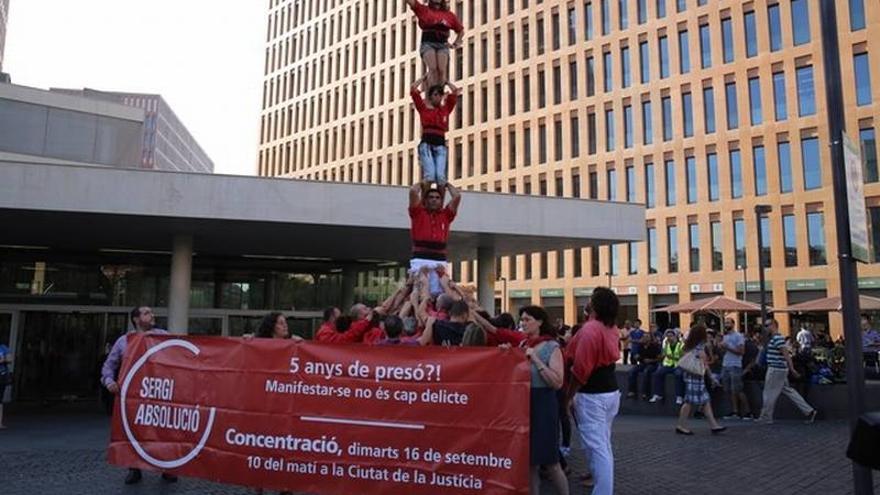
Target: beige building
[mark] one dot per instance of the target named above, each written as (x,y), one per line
(699,109)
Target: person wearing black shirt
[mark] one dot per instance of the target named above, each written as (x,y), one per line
(649,359)
(439,332)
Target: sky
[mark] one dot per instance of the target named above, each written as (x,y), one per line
(203,56)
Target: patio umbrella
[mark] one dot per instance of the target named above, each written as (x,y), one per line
(717,305)
(831,304)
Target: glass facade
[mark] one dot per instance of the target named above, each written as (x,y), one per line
(670,182)
(684,54)
(625,72)
(691,169)
(816,238)
(786,182)
(751,32)
(650,186)
(766,241)
(800,21)
(694,247)
(712,174)
(755,101)
(631,184)
(666,115)
(775,24)
(627,127)
(736,186)
(806,91)
(868,140)
(863,79)
(760,170)
(647,123)
(727,39)
(780,106)
(672,248)
(812,166)
(664,57)
(731,102)
(652,250)
(739,242)
(687,111)
(709,109)
(705,46)
(789,233)
(644,62)
(717,246)
(856,15)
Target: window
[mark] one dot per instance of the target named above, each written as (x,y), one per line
(672,248)
(527,146)
(816,238)
(869,154)
(557,140)
(591,76)
(539,34)
(680,5)
(863,79)
(732,111)
(666,114)
(572,26)
(609,130)
(647,123)
(588,20)
(572,80)
(783,150)
(811,163)
(526,92)
(644,62)
(789,235)
(712,172)
(727,39)
(631,184)
(652,250)
(736,186)
(800,21)
(705,46)
(709,109)
(557,85)
(661,9)
(755,101)
(627,127)
(591,133)
(687,110)
(739,242)
(717,249)
(751,30)
(606,16)
(542,89)
(575,132)
(874,215)
(760,170)
(555,29)
(856,14)
(780,107)
(525,40)
(626,79)
(670,182)
(650,187)
(606,72)
(623,14)
(632,254)
(684,55)
(560,264)
(642,7)
(611,185)
(775,23)
(691,169)
(765,241)
(614,255)
(694,247)
(594,262)
(542,143)
(664,57)
(594,185)
(575,186)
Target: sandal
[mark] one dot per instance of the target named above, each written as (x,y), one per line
(718,430)
(681,431)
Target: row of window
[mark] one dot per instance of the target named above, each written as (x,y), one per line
(370,51)
(539,267)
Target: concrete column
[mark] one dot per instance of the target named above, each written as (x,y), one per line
(486,278)
(349,280)
(181,278)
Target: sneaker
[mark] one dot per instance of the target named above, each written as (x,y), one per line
(731,417)
(679,401)
(656,398)
(747,417)
(811,418)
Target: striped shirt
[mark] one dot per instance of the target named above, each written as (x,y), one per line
(774,352)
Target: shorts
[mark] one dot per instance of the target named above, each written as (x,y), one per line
(433,45)
(732,379)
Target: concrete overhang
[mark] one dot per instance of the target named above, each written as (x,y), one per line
(88,208)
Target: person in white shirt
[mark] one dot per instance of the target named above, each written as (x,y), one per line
(805,339)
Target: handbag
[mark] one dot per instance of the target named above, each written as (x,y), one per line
(692,363)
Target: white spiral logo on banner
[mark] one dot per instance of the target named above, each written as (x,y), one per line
(174,463)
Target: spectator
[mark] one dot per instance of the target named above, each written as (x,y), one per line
(359,312)
(474,336)
(392,327)
(593,385)
(143,320)
(329,322)
(696,394)
(649,360)
(779,365)
(625,342)
(734,346)
(805,339)
(546,361)
(5,377)
(753,372)
(636,334)
(673,349)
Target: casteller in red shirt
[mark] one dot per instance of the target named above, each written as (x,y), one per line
(436,23)
(435,120)
(430,222)
(355,333)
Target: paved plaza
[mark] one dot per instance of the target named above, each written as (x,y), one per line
(64,453)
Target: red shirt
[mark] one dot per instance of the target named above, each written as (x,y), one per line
(327,333)
(430,232)
(594,346)
(505,336)
(435,121)
(436,23)
(374,336)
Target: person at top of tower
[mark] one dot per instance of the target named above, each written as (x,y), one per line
(434,116)
(436,21)
(429,230)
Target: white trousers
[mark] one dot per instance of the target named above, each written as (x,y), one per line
(595,414)
(776,383)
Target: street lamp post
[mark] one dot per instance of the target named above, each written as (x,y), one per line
(609,278)
(759,211)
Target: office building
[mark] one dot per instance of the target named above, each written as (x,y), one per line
(168,144)
(699,110)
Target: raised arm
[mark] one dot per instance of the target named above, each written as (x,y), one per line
(415,195)
(411,3)
(455,194)
(427,337)
(416,94)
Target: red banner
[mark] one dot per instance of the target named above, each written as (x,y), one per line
(325,418)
